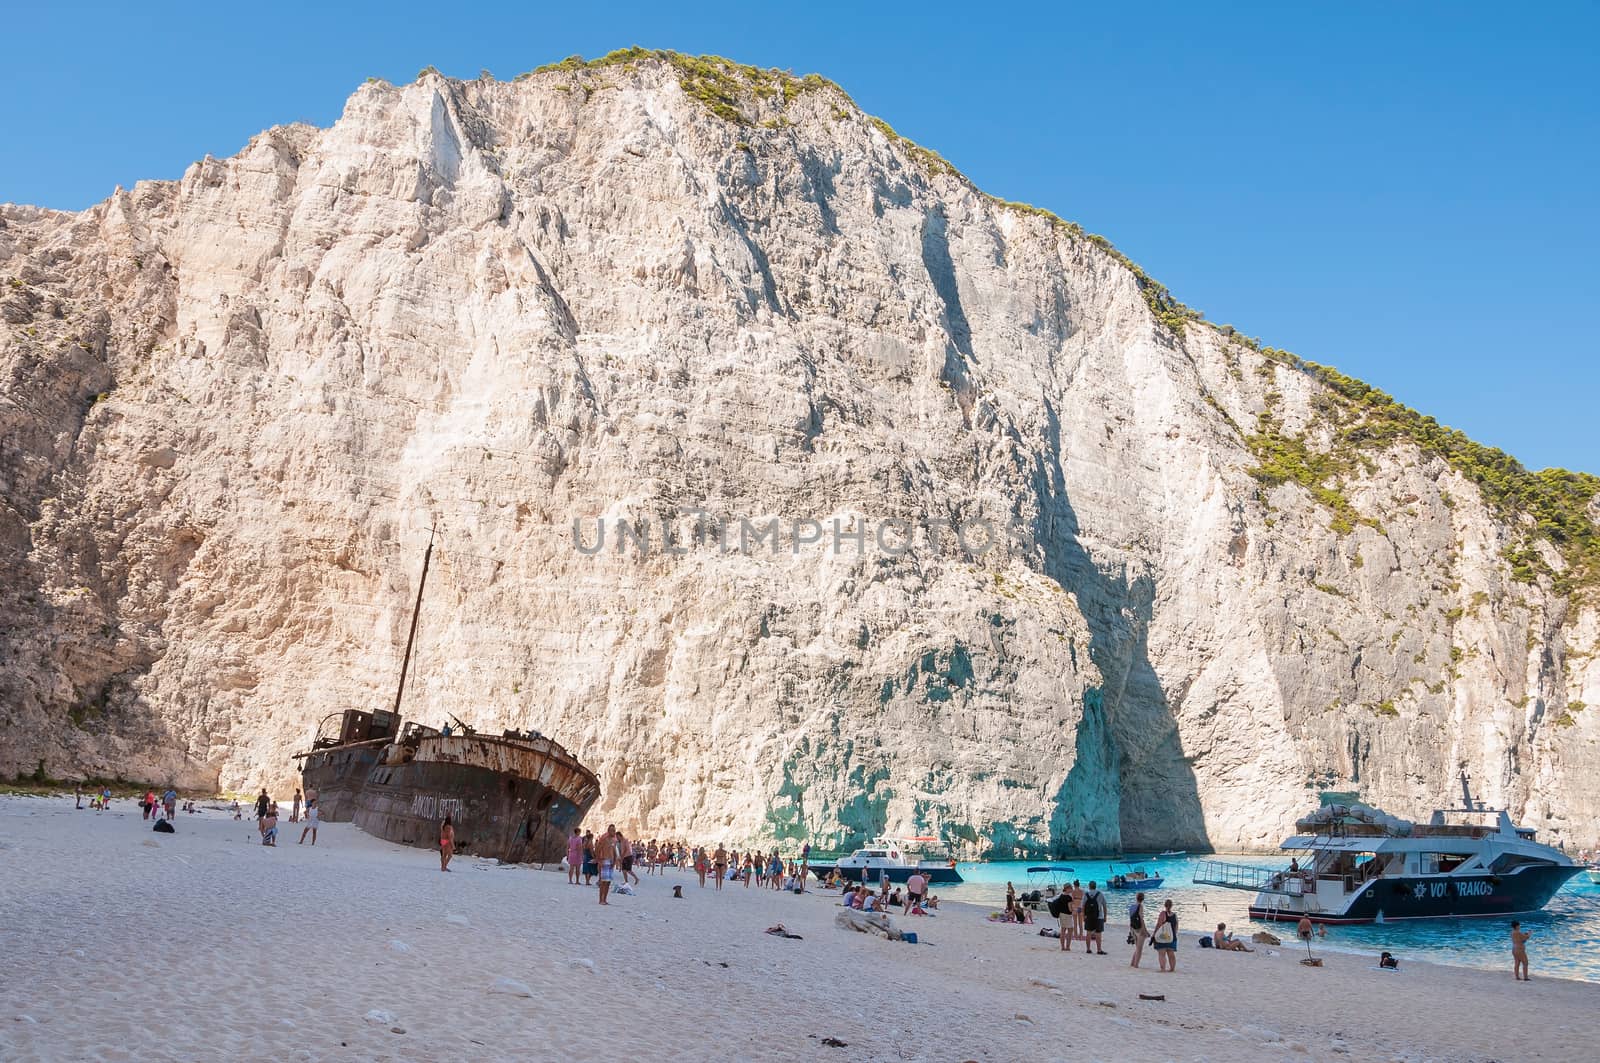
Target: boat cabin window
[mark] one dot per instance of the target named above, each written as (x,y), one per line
(872,852)
(1510,861)
(1443,863)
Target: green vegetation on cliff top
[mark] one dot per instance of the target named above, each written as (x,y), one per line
(1551,505)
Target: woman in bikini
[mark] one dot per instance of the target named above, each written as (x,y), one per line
(447,843)
(719,864)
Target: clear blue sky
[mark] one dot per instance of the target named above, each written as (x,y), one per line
(1404,191)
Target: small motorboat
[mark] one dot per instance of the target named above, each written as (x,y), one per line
(1593,871)
(1045,882)
(1173,854)
(1134,878)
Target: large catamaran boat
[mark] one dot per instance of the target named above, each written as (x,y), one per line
(1351,863)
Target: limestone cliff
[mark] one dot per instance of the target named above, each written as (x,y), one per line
(232,406)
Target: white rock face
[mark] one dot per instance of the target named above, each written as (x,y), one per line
(232,407)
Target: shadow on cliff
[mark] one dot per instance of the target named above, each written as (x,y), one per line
(1127,726)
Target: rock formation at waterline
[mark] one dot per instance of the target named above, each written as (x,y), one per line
(656,292)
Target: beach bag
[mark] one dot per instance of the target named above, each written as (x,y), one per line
(163,827)
(1164,934)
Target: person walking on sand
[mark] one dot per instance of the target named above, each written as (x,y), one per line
(701,864)
(589,868)
(147,804)
(1136,930)
(77,792)
(447,842)
(1165,939)
(312,816)
(625,847)
(1519,952)
(574,856)
(608,854)
(719,864)
(263,802)
(169,801)
(294,810)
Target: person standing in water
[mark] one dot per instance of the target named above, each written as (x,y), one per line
(447,843)
(1519,952)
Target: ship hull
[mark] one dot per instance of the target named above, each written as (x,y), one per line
(337,774)
(948,876)
(509,802)
(1469,896)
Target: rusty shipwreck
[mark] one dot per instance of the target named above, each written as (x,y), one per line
(514,796)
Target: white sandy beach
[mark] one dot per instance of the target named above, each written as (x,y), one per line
(206,946)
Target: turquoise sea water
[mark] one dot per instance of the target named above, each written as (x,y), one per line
(1566,935)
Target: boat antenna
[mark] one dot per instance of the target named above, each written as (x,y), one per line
(416,611)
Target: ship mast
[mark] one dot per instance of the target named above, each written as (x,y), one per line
(416,611)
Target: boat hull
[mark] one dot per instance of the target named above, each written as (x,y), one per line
(506,801)
(947,876)
(1406,897)
(337,774)
(1137,884)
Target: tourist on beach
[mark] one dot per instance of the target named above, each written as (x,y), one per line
(269,827)
(701,864)
(77,792)
(1094,920)
(574,856)
(312,817)
(1165,938)
(1061,908)
(447,842)
(169,801)
(1519,952)
(263,802)
(1077,908)
(625,848)
(147,804)
(1387,962)
(238,813)
(719,864)
(590,869)
(1136,931)
(916,886)
(294,810)
(105,798)
(1304,929)
(607,854)
(1221,939)
(1011,896)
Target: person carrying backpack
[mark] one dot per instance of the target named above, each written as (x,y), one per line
(1094,920)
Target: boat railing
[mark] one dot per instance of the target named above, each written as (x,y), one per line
(1254,879)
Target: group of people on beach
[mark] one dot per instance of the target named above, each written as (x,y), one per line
(613,856)
(268,814)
